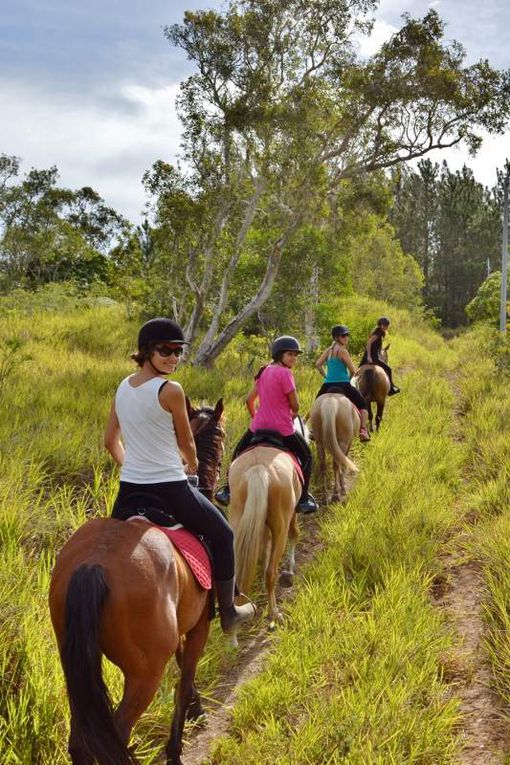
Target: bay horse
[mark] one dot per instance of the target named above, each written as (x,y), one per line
(265,489)
(120,588)
(335,422)
(374,385)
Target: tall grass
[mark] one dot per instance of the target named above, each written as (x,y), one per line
(357,670)
(485,398)
(356,674)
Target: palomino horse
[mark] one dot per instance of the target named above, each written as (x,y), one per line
(335,422)
(265,489)
(374,385)
(121,589)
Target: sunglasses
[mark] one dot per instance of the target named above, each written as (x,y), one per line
(169,350)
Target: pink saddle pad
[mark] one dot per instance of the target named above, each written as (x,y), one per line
(193,551)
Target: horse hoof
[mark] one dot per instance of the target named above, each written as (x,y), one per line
(274,621)
(286,579)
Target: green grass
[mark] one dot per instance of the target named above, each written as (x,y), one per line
(356,673)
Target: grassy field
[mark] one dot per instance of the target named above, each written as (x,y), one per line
(485,402)
(355,675)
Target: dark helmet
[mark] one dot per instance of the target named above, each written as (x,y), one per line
(339,330)
(383,320)
(284,343)
(160,330)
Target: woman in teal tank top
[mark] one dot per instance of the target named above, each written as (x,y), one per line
(339,370)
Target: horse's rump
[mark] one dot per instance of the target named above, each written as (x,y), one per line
(265,488)
(334,421)
(373,382)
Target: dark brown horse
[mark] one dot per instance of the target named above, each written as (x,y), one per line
(121,589)
(374,385)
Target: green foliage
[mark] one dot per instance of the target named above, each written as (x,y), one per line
(486,303)
(450,224)
(10,358)
(51,234)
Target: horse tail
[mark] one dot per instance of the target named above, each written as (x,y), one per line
(329,435)
(249,532)
(367,382)
(91,707)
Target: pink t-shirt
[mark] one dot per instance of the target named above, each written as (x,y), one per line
(274,413)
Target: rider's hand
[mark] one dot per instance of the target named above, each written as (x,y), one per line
(191,469)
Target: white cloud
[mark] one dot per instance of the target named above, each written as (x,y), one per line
(491,156)
(105,146)
(381,32)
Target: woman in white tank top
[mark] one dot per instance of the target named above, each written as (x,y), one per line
(148,434)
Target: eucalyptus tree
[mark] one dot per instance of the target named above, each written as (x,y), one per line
(280,111)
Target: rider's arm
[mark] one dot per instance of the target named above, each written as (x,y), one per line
(112,437)
(344,355)
(319,364)
(172,399)
(293,402)
(371,341)
(251,398)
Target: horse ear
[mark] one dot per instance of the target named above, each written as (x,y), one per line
(386,348)
(189,408)
(218,409)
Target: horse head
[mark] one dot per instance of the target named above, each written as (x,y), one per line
(207,427)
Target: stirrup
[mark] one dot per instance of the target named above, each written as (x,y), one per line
(307,505)
(222,496)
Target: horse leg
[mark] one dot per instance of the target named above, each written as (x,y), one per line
(140,686)
(279,540)
(370,416)
(194,645)
(323,469)
(287,576)
(337,482)
(379,415)
(195,709)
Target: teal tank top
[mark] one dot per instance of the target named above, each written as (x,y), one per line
(336,371)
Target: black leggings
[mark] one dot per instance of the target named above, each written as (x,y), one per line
(348,390)
(294,443)
(194,512)
(379,363)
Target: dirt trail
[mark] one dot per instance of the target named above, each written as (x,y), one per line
(484,729)
(250,661)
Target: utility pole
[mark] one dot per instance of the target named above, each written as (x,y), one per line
(504,253)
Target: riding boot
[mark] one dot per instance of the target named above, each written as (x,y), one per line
(222,496)
(393,390)
(231,616)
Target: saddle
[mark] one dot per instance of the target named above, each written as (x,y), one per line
(146,505)
(267,437)
(193,547)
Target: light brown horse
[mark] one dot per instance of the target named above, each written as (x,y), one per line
(121,589)
(265,489)
(374,385)
(335,422)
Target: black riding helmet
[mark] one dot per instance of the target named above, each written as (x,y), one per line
(160,330)
(339,330)
(282,344)
(383,320)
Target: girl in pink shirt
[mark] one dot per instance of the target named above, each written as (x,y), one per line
(275,390)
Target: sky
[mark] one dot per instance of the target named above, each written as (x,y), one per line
(89,85)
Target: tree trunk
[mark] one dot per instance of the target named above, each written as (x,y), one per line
(207,354)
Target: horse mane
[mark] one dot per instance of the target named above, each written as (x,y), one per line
(209,435)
